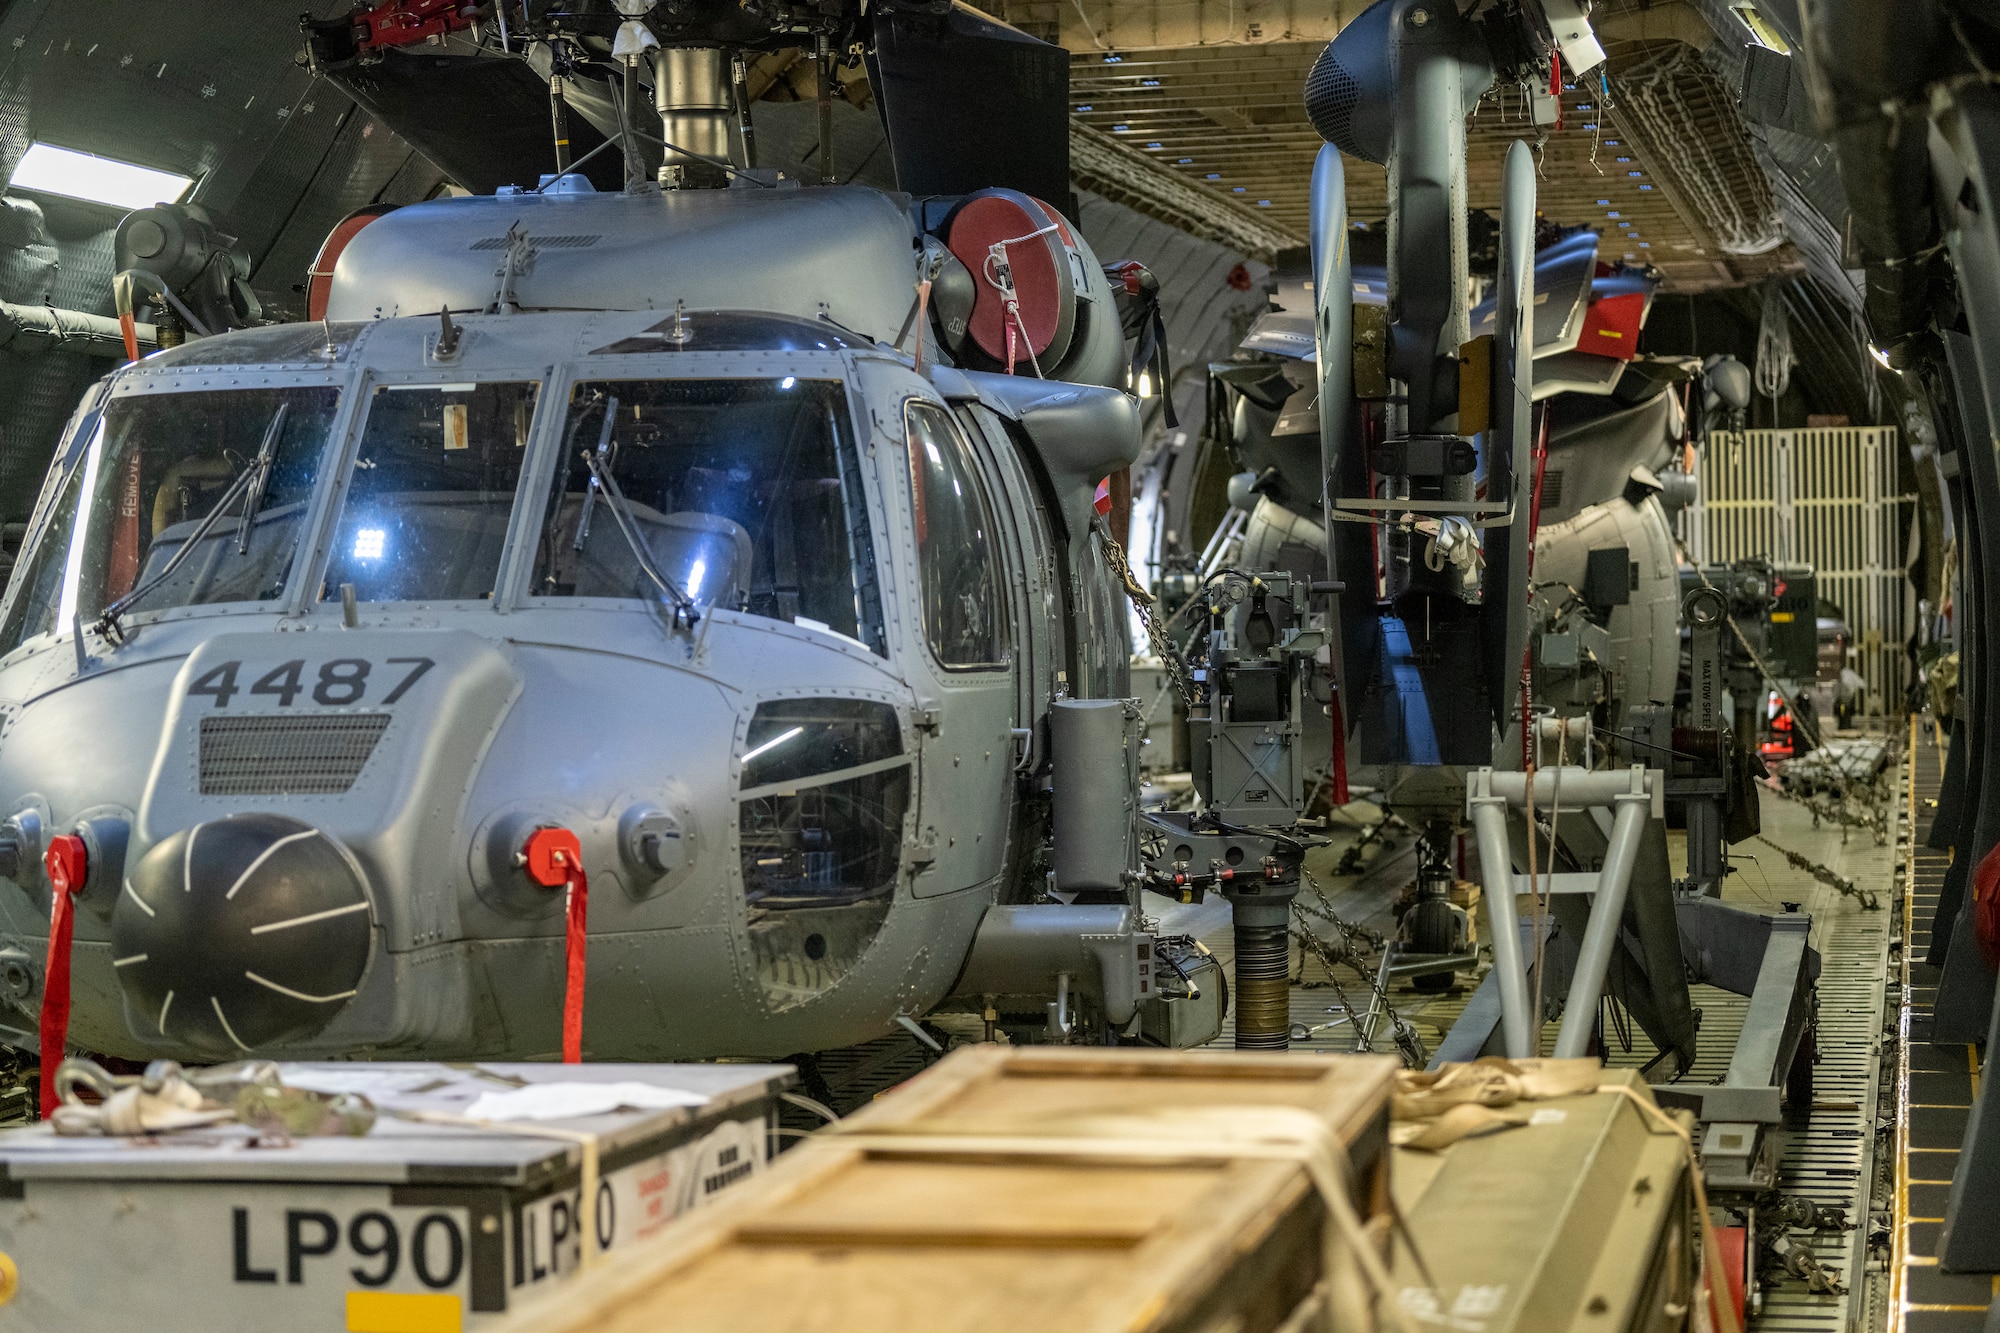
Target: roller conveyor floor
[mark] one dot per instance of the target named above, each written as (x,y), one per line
(1835,1157)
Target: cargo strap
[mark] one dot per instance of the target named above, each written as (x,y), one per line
(1204,1134)
(1720,1303)
(555,860)
(68,865)
(588,1173)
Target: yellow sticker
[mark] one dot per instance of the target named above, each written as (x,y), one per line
(455,431)
(403,1312)
(1605,333)
(1781,617)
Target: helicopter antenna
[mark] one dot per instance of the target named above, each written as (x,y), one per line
(824,85)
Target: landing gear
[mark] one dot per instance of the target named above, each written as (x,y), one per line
(1433,926)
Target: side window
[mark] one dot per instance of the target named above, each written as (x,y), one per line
(957,554)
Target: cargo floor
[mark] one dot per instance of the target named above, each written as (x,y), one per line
(1831,1158)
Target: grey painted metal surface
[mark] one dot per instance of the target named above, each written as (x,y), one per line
(1606,917)
(1096,744)
(1488,813)
(1333,327)
(844,252)
(590,713)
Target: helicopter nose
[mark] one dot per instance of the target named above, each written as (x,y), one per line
(241,933)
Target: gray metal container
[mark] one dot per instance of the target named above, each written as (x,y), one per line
(412,1225)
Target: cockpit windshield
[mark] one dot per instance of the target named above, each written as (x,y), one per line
(743,493)
(433,489)
(179,499)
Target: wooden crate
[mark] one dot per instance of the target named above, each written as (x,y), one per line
(977,1231)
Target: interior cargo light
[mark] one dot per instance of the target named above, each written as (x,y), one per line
(101,180)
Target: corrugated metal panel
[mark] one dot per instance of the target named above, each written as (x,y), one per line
(1825,498)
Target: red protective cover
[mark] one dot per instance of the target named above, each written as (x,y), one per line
(1734,1242)
(319,279)
(405,22)
(1611,326)
(555,860)
(68,865)
(1986,905)
(1040,284)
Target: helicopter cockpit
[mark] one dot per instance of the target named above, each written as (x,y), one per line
(731,488)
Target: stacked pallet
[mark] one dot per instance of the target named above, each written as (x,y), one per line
(1065,1188)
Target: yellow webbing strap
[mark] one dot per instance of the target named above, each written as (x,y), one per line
(1436,1108)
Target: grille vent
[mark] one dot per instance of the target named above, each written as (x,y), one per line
(538,242)
(304,755)
(1331,93)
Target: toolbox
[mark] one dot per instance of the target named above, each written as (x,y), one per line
(414,1227)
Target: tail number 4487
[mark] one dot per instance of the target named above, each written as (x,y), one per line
(332,684)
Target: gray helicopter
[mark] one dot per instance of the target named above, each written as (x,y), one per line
(704,526)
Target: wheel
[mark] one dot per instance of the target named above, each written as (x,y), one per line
(1433,930)
(1433,926)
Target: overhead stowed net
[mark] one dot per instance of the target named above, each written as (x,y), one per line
(1686,126)
(1775,358)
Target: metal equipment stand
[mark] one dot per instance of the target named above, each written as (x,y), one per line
(1633,795)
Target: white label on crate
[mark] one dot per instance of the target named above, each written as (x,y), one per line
(633,1202)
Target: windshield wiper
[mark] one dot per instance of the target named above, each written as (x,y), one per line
(255,474)
(686,613)
(261,477)
(590,494)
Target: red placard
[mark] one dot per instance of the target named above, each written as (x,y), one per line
(1611,326)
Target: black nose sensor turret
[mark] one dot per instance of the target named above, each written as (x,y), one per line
(241,933)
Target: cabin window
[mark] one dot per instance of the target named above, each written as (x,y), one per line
(228,471)
(741,492)
(434,480)
(825,788)
(956,550)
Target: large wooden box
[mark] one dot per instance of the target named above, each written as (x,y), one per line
(873,1231)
